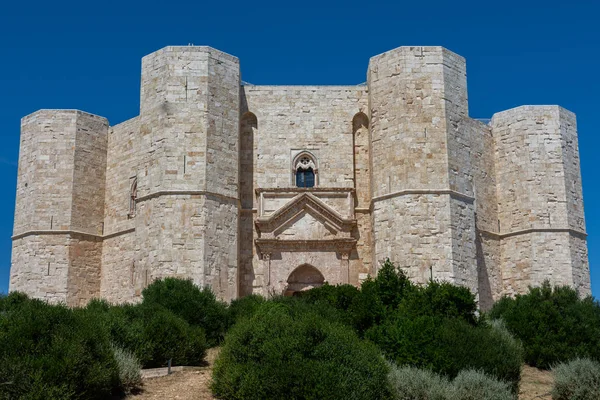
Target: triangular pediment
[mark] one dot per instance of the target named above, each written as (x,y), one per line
(305,213)
(305,225)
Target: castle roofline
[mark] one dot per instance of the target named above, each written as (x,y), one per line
(306,87)
(196,49)
(420,49)
(533,108)
(62,111)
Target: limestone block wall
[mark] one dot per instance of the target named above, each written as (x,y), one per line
(414,231)
(188,168)
(409,154)
(84,279)
(60,205)
(539,198)
(279,122)
(119,271)
(40,267)
(478,164)
(315,118)
(45,166)
(422,182)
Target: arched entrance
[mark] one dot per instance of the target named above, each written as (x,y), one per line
(304,277)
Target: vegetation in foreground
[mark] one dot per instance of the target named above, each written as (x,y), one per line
(331,342)
(554,324)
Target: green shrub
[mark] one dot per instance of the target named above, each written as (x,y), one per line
(447,346)
(153,333)
(245,307)
(199,307)
(340,297)
(443,299)
(130,368)
(555,325)
(376,299)
(411,383)
(285,351)
(52,352)
(475,385)
(578,379)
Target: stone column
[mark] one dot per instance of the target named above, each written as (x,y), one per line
(267,264)
(345,267)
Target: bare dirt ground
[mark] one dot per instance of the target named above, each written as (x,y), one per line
(189,384)
(193,384)
(536,384)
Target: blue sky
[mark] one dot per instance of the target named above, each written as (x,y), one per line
(86,55)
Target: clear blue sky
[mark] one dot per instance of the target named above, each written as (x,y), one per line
(86,55)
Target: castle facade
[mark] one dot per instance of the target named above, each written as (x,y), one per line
(276,189)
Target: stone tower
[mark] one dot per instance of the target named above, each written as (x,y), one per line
(540,203)
(276,189)
(57,244)
(423,203)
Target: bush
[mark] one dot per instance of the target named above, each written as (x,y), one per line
(410,383)
(368,306)
(447,346)
(440,299)
(474,385)
(555,325)
(129,369)
(340,297)
(52,352)
(578,379)
(285,351)
(245,307)
(153,333)
(199,307)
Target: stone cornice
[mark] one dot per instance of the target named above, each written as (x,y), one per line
(452,193)
(319,190)
(186,193)
(503,235)
(48,232)
(267,246)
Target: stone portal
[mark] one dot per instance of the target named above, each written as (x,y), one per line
(304,277)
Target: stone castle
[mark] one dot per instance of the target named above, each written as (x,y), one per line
(275,189)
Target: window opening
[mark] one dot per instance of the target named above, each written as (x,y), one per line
(305,171)
(132,198)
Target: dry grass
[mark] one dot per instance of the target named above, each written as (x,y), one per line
(189,384)
(536,384)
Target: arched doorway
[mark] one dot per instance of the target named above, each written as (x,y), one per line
(304,277)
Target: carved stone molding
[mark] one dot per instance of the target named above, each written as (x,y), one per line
(298,204)
(342,245)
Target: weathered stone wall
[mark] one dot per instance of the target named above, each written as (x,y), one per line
(40,266)
(409,154)
(45,177)
(315,118)
(89,174)
(280,121)
(188,172)
(539,197)
(121,280)
(60,194)
(422,184)
(478,148)
(85,254)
